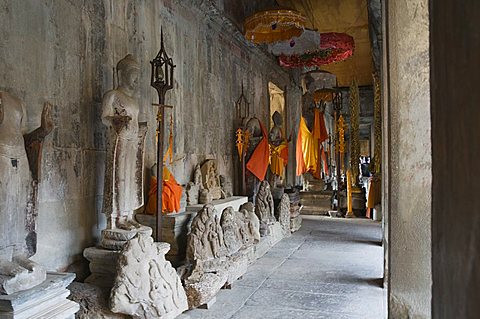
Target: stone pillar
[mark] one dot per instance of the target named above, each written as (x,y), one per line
(406,168)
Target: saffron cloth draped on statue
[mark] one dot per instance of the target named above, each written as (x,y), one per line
(171,194)
(260,158)
(319,129)
(307,153)
(278,158)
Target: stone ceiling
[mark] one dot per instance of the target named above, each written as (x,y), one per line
(348,16)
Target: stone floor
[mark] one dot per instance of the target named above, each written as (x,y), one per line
(331,268)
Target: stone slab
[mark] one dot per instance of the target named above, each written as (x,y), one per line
(47,300)
(221,204)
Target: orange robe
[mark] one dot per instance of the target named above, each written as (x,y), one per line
(258,163)
(171,194)
(319,129)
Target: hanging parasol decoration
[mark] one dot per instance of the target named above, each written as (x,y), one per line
(334,47)
(307,42)
(274,25)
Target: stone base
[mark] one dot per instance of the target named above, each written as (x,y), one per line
(174,232)
(103,266)
(295,223)
(115,239)
(47,300)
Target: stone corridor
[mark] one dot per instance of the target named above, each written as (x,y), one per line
(331,268)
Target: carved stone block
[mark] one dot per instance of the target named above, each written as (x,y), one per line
(283,212)
(147,286)
(264,207)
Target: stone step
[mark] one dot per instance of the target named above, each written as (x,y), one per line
(316,205)
(315,196)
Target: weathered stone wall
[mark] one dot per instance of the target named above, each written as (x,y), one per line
(408,160)
(54,51)
(65,52)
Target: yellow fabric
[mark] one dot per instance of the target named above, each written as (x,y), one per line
(374,192)
(349,192)
(309,147)
(277,158)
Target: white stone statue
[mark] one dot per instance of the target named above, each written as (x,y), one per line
(19,176)
(123,190)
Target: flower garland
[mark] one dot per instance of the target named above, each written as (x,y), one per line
(334,47)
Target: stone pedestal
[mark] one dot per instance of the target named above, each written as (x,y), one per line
(103,266)
(115,239)
(174,232)
(359,203)
(46,301)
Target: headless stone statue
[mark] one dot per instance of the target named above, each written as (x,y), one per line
(123,191)
(195,187)
(19,175)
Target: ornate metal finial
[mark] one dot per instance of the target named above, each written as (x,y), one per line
(242,107)
(162,71)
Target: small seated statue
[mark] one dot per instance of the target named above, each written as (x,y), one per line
(20,157)
(211,189)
